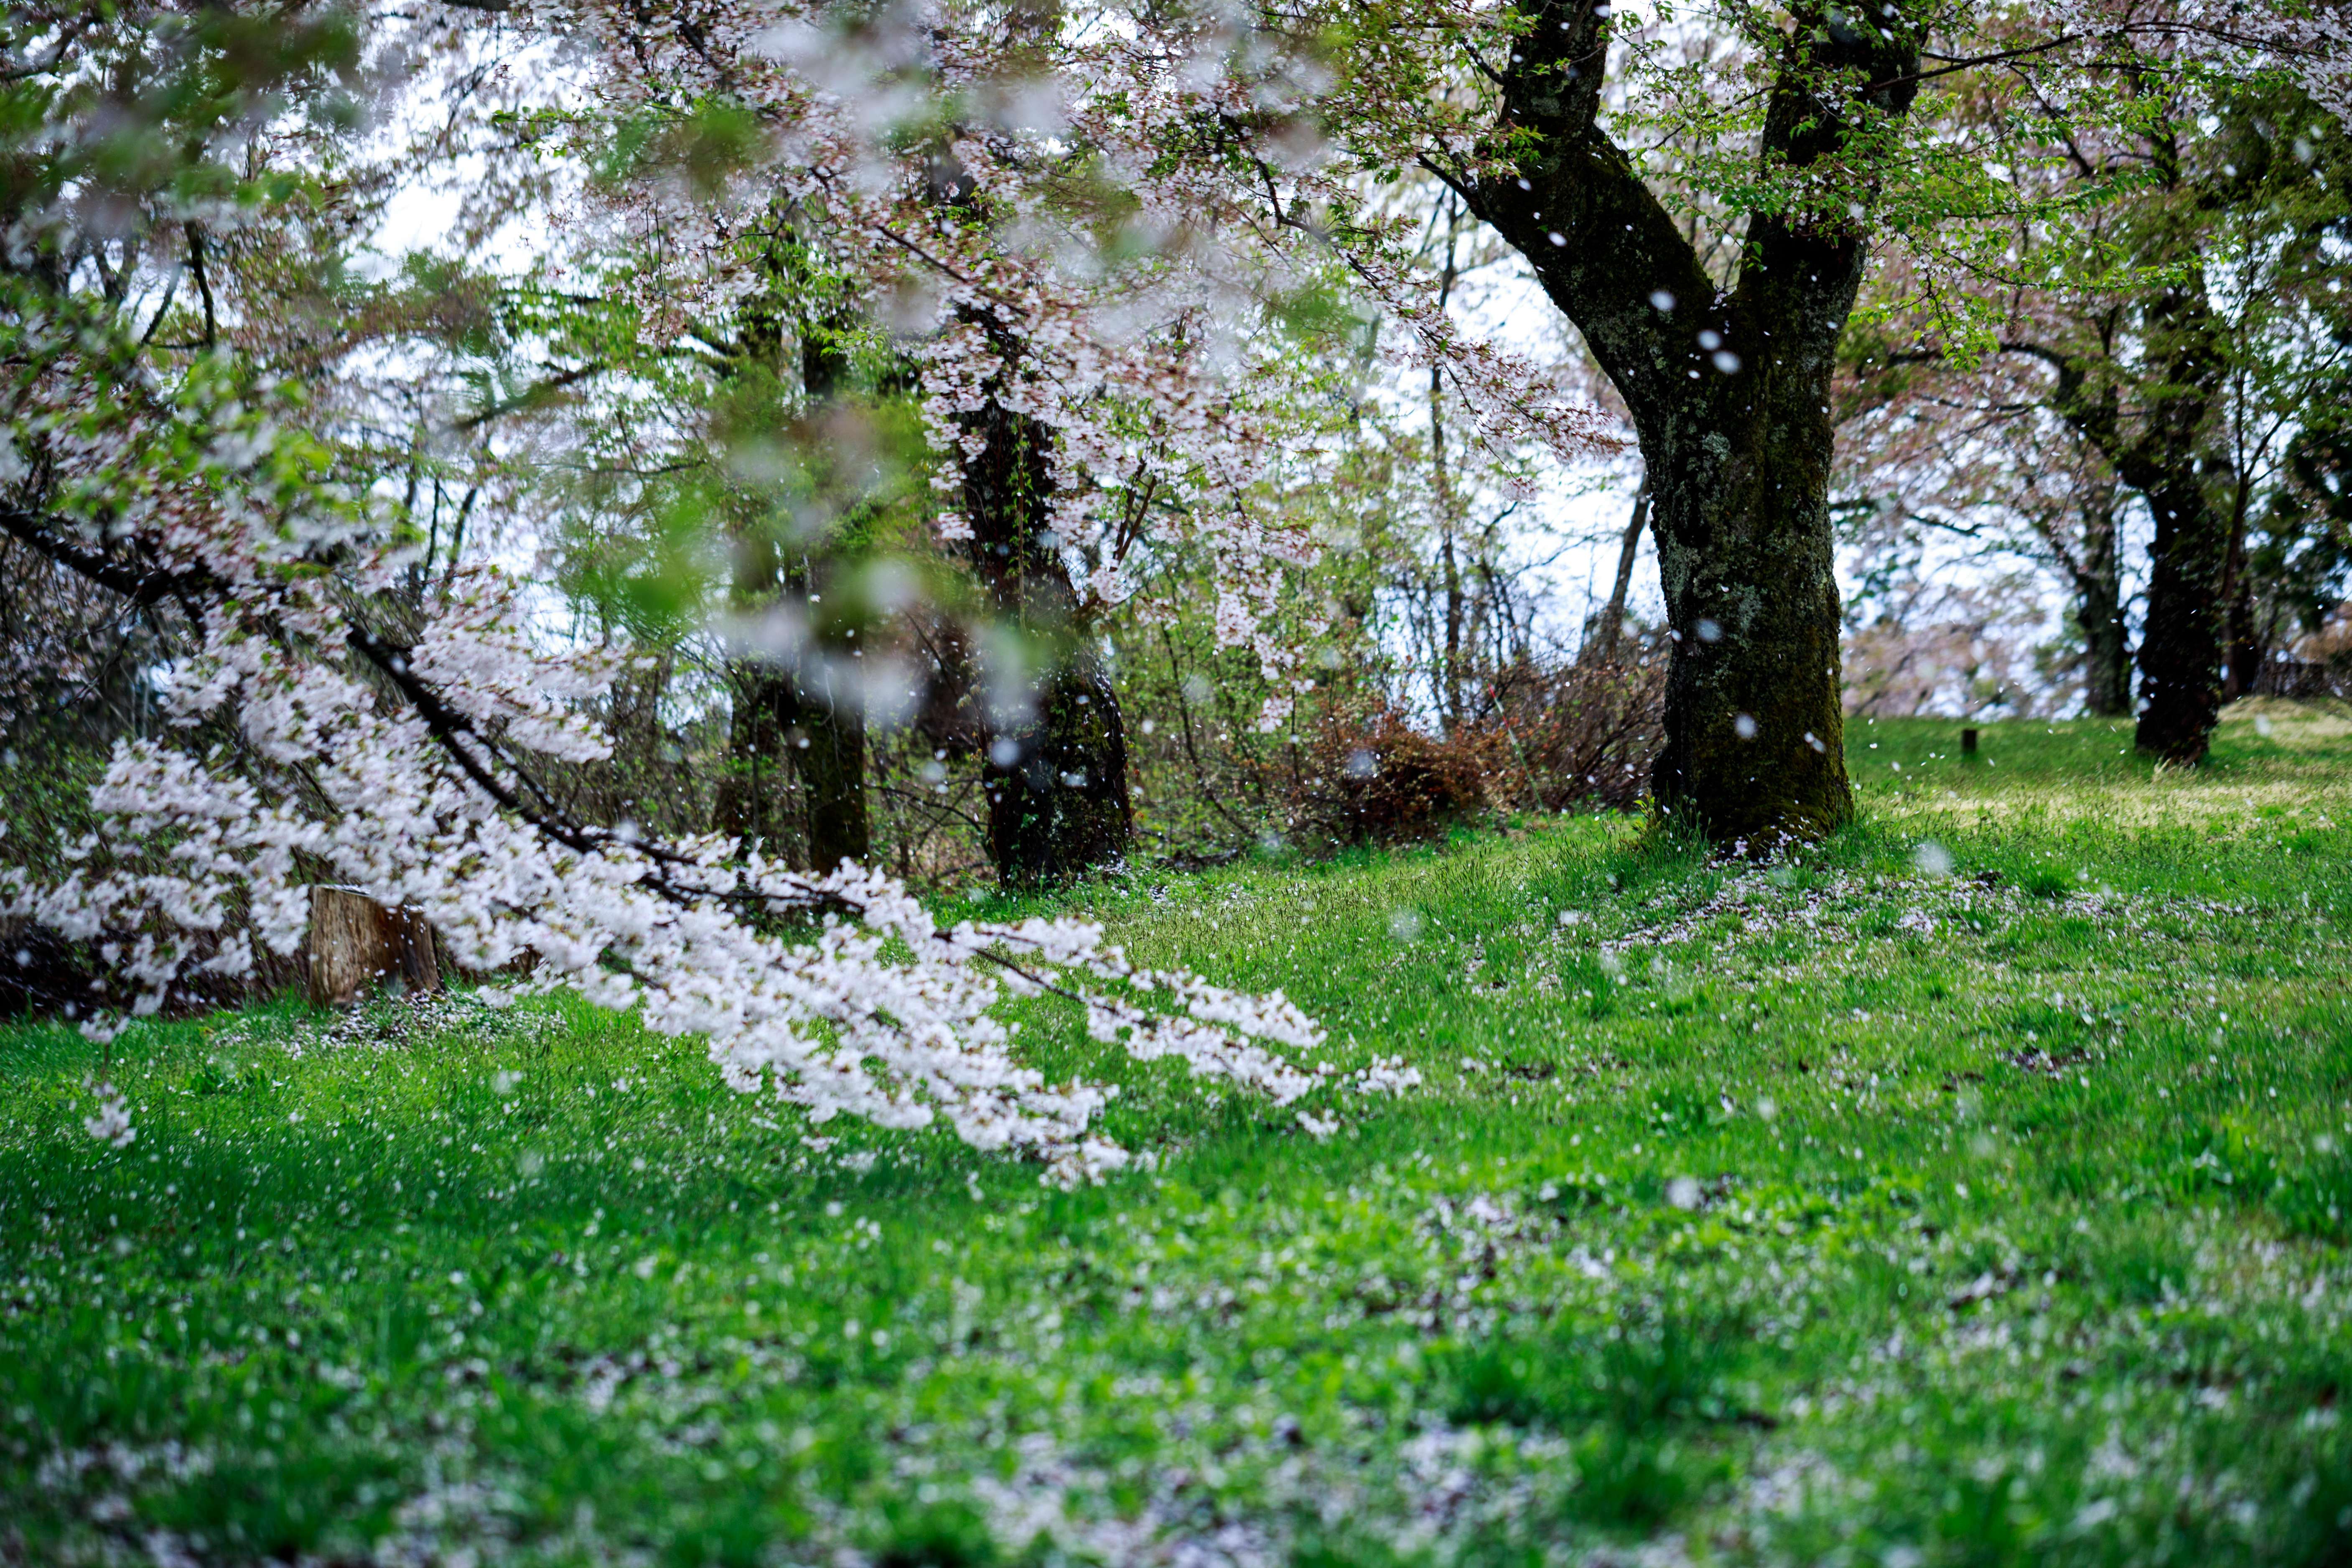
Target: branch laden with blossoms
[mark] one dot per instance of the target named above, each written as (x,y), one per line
(840,993)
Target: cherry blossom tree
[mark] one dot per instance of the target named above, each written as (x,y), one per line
(2154,303)
(1090,236)
(321,722)
(1700,188)
(1068,235)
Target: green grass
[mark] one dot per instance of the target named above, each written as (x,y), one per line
(1833,1212)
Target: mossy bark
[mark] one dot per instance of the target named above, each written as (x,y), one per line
(1729,393)
(1055,744)
(1755,723)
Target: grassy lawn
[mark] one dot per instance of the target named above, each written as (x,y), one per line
(1972,1189)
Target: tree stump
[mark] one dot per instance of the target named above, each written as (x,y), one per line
(355,941)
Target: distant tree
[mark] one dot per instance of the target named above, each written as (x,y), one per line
(2167,265)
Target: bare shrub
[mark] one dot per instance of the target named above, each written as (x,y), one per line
(1372,778)
(1586,732)
(1549,738)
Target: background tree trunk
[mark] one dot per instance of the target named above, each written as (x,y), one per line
(808,712)
(2242,666)
(2180,649)
(355,942)
(831,748)
(1611,628)
(1056,760)
(1057,805)
(2171,462)
(2170,458)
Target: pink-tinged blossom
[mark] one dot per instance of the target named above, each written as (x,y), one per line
(111,1124)
(425,799)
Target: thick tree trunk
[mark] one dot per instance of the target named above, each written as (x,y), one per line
(1755,746)
(1729,393)
(1056,768)
(2170,462)
(1057,802)
(354,942)
(2180,649)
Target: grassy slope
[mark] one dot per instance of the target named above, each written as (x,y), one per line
(1840,1212)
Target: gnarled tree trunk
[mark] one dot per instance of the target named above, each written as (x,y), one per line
(355,942)
(1729,394)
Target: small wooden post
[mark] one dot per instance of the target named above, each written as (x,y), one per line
(1969,742)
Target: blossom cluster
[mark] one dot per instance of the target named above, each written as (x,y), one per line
(408,767)
(1099,225)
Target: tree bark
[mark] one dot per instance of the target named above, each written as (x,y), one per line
(354,942)
(1056,773)
(2167,459)
(2180,647)
(2171,463)
(1729,395)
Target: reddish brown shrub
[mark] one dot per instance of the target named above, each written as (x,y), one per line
(1583,734)
(1375,779)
